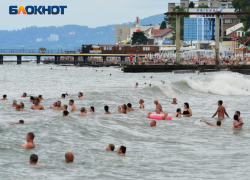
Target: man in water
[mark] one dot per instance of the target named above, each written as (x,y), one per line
(136,85)
(164,115)
(220,111)
(129,105)
(63,96)
(158,105)
(153,123)
(14,103)
(71,103)
(106,109)
(20,122)
(34,159)
(110,147)
(218,124)
(174,101)
(36,105)
(69,157)
(80,95)
(59,106)
(122,150)
(30,141)
(24,95)
(4,98)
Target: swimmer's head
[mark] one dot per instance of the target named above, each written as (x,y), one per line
(141,101)
(4,96)
(129,105)
(30,136)
(156,101)
(178,110)
(14,102)
(124,106)
(18,107)
(24,94)
(220,102)
(63,96)
(33,159)
(122,150)
(174,100)
(158,111)
(31,98)
(106,108)
(65,113)
(92,109)
(237,113)
(218,123)
(82,109)
(21,121)
(59,103)
(69,157)
(36,100)
(65,106)
(136,84)
(236,117)
(153,123)
(186,105)
(22,105)
(80,94)
(40,96)
(71,102)
(55,104)
(110,147)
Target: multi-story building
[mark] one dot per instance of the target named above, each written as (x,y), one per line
(122,33)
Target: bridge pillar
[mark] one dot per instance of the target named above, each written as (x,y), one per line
(1,59)
(85,59)
(122,58)
(104,58)
(19,59)
(38,59)
(75,60)
(57,59)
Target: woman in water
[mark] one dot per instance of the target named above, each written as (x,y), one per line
(141,101)
(92,109)
(122,109)
(238,123)
(21,105)
(187,111)
(83,112)
(178,113)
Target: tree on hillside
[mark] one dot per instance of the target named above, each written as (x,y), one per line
(139,38)
(243,6)
(191,4)
(172,22)
(163,25)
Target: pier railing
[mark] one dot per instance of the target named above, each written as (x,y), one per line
(47,51)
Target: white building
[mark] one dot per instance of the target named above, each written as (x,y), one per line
(53,37)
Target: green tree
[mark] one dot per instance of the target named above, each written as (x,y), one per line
(163,25)
(203,6)
(139,38)
(243,6)
(191,4)
(172,22)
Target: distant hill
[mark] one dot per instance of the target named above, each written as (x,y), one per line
(70,36)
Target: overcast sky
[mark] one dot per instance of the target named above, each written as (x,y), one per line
(91,13)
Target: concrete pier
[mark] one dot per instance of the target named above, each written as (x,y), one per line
(19,59)
(1,59)
(85,59)
(75,60)
(104,58)
(38,59)
(57,59)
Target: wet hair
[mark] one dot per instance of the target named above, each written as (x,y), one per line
(36,98)
(40,96)
(63,95)
(236,117)
(142,101)
(129,105)
(106,108)
(218,123)
(32,98)
(21,121)
(34,158)
(187,105)
(4,96)
(81,93)
(55,104)
(93,108)
(72,101)
(18,106)
(125,106)
(25,93)
(66,113)
(220,102)
(82,109)
(112,147)
(238,112)
(31,135)
(22,105)
(178,110)
(123,149)
(65,106)
(174,99)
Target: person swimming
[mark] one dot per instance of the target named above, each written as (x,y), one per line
(174,101)
(4,98)
(14,103)
(136,85)
(187,111)
(65,113)
(92,109)
(158,105)
(71,103)
(69,157)
(19,122)
(141,101)
(83,112)
(129,105)
(153,123)
(122,109)
(80,95)
(36,105)
(110,147)
(164,115)
(122,150)
(106,109)
(33,160)
(218,124)
(24,95)
(220,111)
(178,113)
(237,123)
(30,141)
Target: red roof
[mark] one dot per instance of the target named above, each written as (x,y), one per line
(155,31)
(163,32)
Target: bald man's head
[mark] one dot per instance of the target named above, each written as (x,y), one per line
(69,157)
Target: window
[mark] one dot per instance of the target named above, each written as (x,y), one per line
(110,47)
(119,32)
(238,33)
(104,48)
(120,48)
(118,39)
(146,48)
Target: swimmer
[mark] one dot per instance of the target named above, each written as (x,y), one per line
(149,85)
(187,111)
(54,105)
(31,99)
(71,103)
(136,85)
(218,124)
(122,109)
(80,95)
(34,159)
(220,111)
(178,113)
(151,77)
(65,113)
(19,122)
(174,101)
(110,147)
(40,97)
(4,98)
(14,103)
(21,105)
(65,107)
(30,141)
(63,96)
(92,109)
(129,105)
(24,95)
(153,123)
(157,111)
(158,105)
(141,101)
(36,105)
(69,157)
(83,112)
(143,76)
(106,109)
(59,107)
(237,123)
(122,150)
(19,108)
